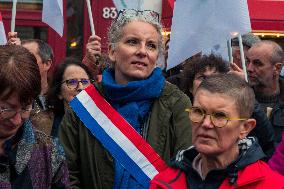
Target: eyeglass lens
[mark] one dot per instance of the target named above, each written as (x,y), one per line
(73,83)
(197,115)
(9,113)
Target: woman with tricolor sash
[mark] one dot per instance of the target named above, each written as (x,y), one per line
(123,131)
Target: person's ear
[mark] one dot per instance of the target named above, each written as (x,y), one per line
(246,128)
(111,52)
(278,68)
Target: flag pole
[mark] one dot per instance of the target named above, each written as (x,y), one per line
(91,17)
(14,11)
(140,5)
(243,56)
(230,52)
(92,25)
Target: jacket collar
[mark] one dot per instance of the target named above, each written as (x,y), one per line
(250,152)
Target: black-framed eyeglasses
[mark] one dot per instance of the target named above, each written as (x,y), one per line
(148,15)
(7,113)
(218,119)
(73,83)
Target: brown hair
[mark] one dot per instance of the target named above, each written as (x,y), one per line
(19,73)
(57,79)
(199,65)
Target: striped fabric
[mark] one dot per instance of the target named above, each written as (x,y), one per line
(117,136)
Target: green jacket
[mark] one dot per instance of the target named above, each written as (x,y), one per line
(91,166)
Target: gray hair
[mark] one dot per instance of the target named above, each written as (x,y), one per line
(130,15)
(248,39)
(44,51)
(277,53)
(233,86)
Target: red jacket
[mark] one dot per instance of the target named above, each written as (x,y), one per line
(254,176)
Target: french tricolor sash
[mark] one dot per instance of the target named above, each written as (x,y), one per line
(117,136)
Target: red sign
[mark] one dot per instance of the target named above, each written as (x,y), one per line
(103,14)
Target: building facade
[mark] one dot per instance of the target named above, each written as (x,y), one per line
(267,20)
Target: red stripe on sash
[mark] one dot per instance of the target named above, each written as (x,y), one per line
(126,129)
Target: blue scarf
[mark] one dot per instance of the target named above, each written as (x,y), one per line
(133,101)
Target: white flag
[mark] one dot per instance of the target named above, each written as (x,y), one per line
(205,25)
(127,4)
(3,39)
(52,15)
(155,5)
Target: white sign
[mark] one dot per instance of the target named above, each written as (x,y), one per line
(205,25)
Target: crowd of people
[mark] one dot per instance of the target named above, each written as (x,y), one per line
(200,126)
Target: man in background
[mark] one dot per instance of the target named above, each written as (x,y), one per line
(265,61)
(45,57)
(248,40)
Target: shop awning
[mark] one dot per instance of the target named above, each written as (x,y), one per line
(267,15)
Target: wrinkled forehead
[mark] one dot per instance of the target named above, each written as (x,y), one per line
(262,52)
(214,101)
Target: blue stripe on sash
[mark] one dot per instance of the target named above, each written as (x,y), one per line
(116,151)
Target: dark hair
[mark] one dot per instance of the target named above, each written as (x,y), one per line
(55,87)
(199,65)
(233,86)
(19,73)
(167,41)
(44,50)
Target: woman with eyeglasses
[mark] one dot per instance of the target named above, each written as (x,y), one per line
(201,68)
(69,78)
(222,156)
(138,92)
(28,158)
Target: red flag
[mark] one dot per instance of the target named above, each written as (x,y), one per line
(3,39)
(167,13)
(171,3)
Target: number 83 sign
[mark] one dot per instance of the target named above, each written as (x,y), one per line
(109,12)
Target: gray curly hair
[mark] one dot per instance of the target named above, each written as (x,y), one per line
(129,15)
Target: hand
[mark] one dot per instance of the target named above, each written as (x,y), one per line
(13,39)
(93,50)
(234,68)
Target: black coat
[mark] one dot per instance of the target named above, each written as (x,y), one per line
(277,114)
(263,131)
